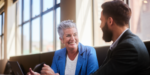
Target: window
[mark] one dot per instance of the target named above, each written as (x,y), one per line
(26,39)
(26,13)
(37,22)
(58,45)
(35,35)
(47,4)
(139,23)
(2,35)
(35,7)
(19,19)
(48,29)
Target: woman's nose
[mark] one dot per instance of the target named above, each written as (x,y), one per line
(72,38)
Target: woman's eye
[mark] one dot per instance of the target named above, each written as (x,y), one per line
(68,35)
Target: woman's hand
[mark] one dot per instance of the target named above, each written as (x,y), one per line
(46,70)
(31,72)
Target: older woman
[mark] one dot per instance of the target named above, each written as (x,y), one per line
(75,58)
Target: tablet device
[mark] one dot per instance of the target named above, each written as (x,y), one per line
(16,68)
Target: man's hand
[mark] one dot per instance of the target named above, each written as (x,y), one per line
(31,72)
(46,70)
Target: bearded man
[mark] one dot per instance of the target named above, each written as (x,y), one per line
(128,54)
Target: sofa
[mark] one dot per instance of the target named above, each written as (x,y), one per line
(30,61)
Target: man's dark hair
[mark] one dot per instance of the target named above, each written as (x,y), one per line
(119,11)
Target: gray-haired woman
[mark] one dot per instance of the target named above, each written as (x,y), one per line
(75,58)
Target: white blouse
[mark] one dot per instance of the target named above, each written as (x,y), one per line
(70,66)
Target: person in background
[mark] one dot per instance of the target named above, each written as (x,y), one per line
(127,55)
(74,59)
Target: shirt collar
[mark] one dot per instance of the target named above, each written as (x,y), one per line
(116,42)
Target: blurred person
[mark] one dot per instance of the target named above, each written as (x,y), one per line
(127,55)
(74,59)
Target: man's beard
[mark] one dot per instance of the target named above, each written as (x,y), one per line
(107,34)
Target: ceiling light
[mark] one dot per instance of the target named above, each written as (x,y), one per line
(145,1)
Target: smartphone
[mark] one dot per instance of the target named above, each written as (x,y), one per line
(38,67)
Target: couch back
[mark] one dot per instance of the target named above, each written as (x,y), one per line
(29,61)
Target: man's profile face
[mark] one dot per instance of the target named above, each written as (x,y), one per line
(107,34)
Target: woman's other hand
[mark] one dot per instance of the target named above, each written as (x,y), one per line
(31,72)
(47,70)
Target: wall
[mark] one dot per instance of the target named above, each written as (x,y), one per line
(9,33)
(84,21)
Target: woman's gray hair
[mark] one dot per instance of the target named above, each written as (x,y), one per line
(64,25)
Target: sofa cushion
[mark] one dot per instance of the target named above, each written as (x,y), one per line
(47,57)
(101,53)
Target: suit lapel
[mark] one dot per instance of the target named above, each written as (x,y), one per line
(62,66)
(81,58)
(124,36)
(62,62)
(108,56)
(79,64)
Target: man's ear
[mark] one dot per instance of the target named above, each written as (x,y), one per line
(61,40)
(110,21)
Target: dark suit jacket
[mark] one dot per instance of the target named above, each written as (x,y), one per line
(130,57)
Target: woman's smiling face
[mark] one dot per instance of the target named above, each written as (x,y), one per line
(70,38)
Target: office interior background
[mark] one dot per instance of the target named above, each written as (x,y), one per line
(30,26)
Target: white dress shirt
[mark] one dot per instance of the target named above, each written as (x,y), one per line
(116,42)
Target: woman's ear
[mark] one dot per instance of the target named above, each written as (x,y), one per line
(61,40)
